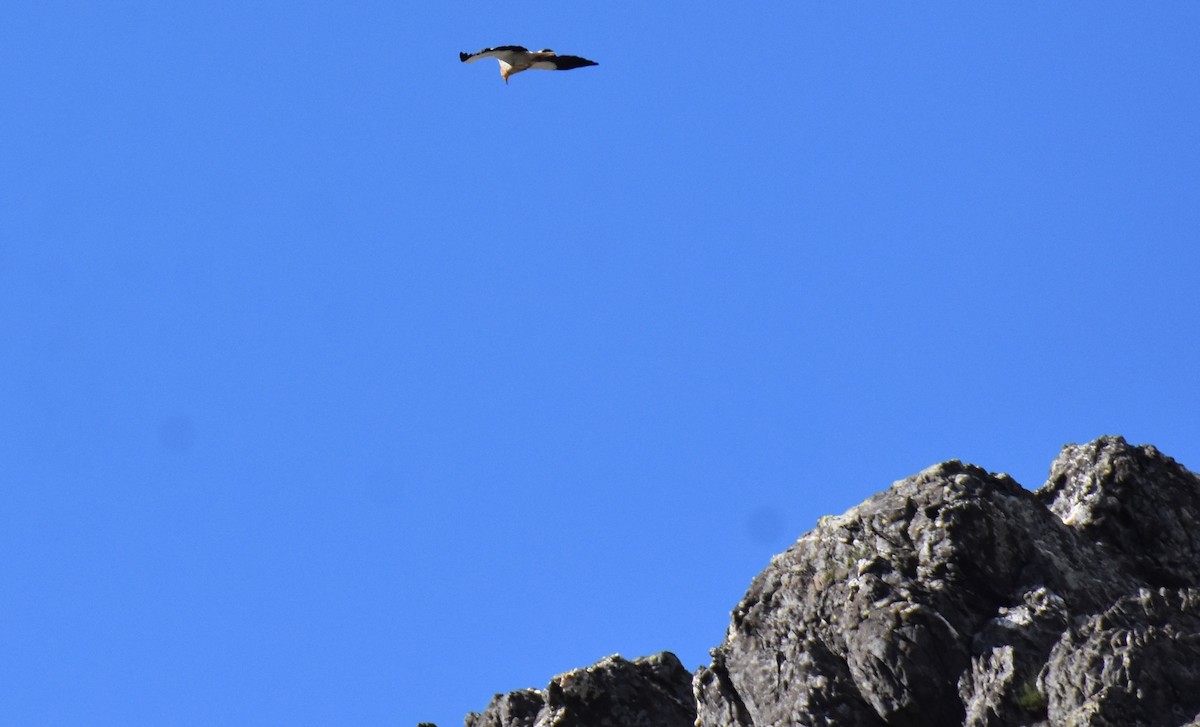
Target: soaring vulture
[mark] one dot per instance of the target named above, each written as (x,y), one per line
(514,59)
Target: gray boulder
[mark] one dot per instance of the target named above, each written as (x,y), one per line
(653,691)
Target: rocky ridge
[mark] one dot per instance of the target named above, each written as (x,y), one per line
(955,597)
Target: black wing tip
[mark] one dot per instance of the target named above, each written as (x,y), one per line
(566,63)
(463,56)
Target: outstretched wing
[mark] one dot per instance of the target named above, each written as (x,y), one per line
(502,53)
(562,63)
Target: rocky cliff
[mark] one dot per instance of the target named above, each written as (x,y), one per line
(956,597)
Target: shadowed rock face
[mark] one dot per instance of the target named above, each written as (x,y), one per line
(955,597)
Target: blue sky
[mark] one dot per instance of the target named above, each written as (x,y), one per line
(343,384)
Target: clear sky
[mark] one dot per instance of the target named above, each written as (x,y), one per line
(343,384)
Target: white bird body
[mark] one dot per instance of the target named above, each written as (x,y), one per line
(515,58)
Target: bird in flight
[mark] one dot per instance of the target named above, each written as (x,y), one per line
(514,59)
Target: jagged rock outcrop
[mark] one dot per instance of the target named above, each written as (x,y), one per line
(955,597)
(654,691)
(958,598)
